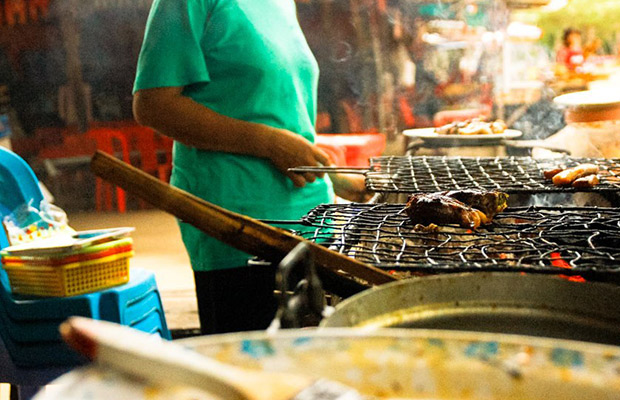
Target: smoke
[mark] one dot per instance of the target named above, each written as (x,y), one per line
(541,120)
(550,199)
(566,199)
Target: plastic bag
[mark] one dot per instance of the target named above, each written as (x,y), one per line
(27,223)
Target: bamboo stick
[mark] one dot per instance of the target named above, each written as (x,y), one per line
(241,232)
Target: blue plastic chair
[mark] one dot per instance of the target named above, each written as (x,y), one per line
(19,186)
(29,325)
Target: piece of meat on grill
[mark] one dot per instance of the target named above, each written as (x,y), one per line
(550,173)
(437,208)
(490,203)
(567,176)
(586,182)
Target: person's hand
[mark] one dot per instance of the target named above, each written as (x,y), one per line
(290,150)
(350,187)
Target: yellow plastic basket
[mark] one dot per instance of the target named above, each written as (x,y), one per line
(70,279)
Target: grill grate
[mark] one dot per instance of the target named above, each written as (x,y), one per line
(509,174)
(559,240)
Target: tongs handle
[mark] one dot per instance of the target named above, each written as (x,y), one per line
(304,307)
(336,170)
(236,230)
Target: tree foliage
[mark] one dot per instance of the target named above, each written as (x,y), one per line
(601,15)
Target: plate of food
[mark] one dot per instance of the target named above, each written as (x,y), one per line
(470,132)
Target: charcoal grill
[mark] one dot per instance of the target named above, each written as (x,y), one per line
(573,241)
(508,174)
(426,174)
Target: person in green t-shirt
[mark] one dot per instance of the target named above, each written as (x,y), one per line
(234,83)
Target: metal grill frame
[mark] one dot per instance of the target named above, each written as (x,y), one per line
(575,231)
(425,174)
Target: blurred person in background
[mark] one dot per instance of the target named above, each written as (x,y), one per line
(570,55)
(593,45)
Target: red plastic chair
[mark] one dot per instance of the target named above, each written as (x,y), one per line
(354,119)
(358,147)
(323,122)
(337,154)
(149,144)
(406,112)
(110,141)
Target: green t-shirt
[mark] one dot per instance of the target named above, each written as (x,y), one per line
(247,59)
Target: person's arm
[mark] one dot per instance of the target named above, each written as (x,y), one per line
(168,111)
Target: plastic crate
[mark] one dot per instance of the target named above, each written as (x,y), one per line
(76,256)
(70,279)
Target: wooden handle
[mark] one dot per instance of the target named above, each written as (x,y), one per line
(241,232)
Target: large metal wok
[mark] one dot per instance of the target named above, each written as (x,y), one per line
(514,303)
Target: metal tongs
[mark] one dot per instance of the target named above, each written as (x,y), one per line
(331,169)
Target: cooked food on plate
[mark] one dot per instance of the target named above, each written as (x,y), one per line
(475,126)
(455,207)
(570,176)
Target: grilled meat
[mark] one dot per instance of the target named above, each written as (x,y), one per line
(498,126)
(586,181)
(437,208)
(567,176)
(490,203)
(550,173)
(474,126)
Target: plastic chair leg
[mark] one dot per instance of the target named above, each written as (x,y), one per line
(103,197)
(24,392)
(98,193)
(108,197)
(120,200)
(162,172)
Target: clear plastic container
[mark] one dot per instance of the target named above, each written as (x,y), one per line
(589,139)
(593,128)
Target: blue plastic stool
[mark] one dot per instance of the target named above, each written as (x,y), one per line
(136,304)
(134,301)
